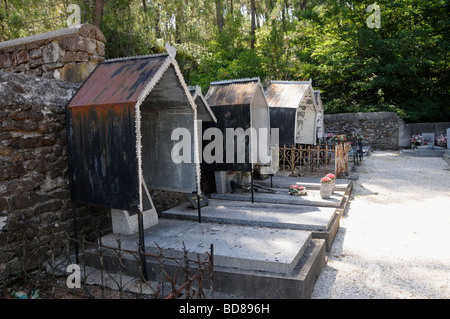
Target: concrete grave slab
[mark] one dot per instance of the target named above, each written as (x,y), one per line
(309,218)
(308,182)
(323,222)
(282,197)
(237,247)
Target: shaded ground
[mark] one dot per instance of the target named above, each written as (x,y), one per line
(394,241)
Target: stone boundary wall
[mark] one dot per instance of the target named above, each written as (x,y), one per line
(407,130)
(68,55)
(380,130)
(34,185)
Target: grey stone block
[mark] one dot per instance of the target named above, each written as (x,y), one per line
(124,224)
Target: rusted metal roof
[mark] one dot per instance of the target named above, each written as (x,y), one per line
(118,81)
(286,93)
(232,92)
(113,131)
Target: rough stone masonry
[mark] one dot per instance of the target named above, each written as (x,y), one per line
(34,188)
(68,55)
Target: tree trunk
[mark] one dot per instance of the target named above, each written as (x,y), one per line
(157,22)
(219,14)
(253,27)
(98,13)
(303,4)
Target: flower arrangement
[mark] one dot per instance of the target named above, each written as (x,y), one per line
(441,141)
(333,180)
(326,187)
(297,190)
(325,180)
(335,139)
(416,140)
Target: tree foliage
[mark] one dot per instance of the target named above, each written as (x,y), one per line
(402,66)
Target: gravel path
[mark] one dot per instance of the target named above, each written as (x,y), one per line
(394,242)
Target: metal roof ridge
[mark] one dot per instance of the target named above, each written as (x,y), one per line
(136,57)
(236,81)
(289,82)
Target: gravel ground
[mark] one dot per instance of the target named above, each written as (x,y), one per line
(394,241)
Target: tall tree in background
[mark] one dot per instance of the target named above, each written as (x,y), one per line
(253,24)
(98,13)
(403,67)
(219,14)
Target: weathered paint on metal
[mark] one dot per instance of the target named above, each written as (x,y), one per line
(285,94)
(105,132)
(102,155)
(103,164)
(298,127)
(117,81)
(230,116)
(306,121)
(159,170)
(230,93)
(283,118)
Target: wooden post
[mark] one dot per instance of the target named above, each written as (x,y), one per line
(199,210)
(292,160)
(253,192)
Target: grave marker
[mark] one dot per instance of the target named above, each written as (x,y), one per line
(448,134)
(428,138)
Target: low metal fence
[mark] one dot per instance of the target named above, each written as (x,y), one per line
(47,267)
(315,161)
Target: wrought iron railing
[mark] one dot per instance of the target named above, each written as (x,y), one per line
(315,160)
(45,267)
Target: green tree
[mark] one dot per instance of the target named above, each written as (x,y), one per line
(402,66)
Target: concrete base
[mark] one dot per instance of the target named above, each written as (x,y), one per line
(446,157)
(249,262)
(344,185)
(323,222)
(424,152)
(124,224)
(282,197)
(222,182)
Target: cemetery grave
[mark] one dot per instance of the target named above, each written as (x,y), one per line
(264,241)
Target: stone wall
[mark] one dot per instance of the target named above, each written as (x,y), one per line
(380,130)
(34,186)
(407,130)
(68,55)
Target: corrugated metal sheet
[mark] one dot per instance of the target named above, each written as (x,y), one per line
(285,94)
(118,81)
(230,116)
(232,92)
(103,168)
(103,135)
(284,118)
